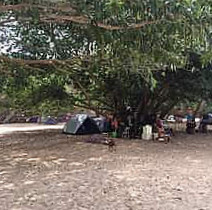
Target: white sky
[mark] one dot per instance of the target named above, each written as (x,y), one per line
(7,36)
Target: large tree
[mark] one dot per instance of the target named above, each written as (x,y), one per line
(108,54)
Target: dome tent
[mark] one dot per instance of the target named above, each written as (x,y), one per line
(50,121)
(81,124)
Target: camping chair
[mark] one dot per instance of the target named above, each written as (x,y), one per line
(126,133)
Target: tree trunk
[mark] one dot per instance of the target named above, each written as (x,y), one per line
(200,107)
(9,117)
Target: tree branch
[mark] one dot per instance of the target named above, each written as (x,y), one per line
(85,21)
(7,21)
(80,19)
(5,59)
(17,7)
(4,8)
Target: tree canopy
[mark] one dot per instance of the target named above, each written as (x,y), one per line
(105,55)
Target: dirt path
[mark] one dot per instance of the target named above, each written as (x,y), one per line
(46,170)
(16,127)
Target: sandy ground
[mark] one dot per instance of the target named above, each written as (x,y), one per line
(46,170)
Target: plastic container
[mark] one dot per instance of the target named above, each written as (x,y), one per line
(147,132)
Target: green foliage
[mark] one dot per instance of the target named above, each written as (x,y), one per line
(145,61)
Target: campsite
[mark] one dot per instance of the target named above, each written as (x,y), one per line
(105,105)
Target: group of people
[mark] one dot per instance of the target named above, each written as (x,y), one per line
(191,124)
(131,128)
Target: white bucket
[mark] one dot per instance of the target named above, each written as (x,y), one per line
(147,132)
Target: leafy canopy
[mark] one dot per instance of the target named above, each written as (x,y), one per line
(108,53)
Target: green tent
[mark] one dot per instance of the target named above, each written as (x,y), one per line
(81,124)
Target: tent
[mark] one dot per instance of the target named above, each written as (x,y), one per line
(50,121)
(34,119)
(81,124)
(64,118)
(101,123)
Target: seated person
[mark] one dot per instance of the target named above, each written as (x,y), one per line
(160,127)
(190,126)
(203,124)
(164,131)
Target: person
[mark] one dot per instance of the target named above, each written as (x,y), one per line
(163,129)
(189,115)
(203,124)
(115,126)
(160,126)
(131,125)
(108,124)
(190,125)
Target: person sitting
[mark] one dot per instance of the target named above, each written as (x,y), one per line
(203,124)
(190,126)
(164,131)
(159,126)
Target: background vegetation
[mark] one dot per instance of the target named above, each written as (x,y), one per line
(105,55)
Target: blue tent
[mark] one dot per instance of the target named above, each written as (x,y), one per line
(50,121)
(33,119)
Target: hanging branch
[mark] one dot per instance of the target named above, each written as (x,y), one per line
(79,19)
(86,21)
(17,7)
(5,59)
(2,23)
(4,8)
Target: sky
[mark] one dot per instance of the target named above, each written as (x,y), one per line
(7,37)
